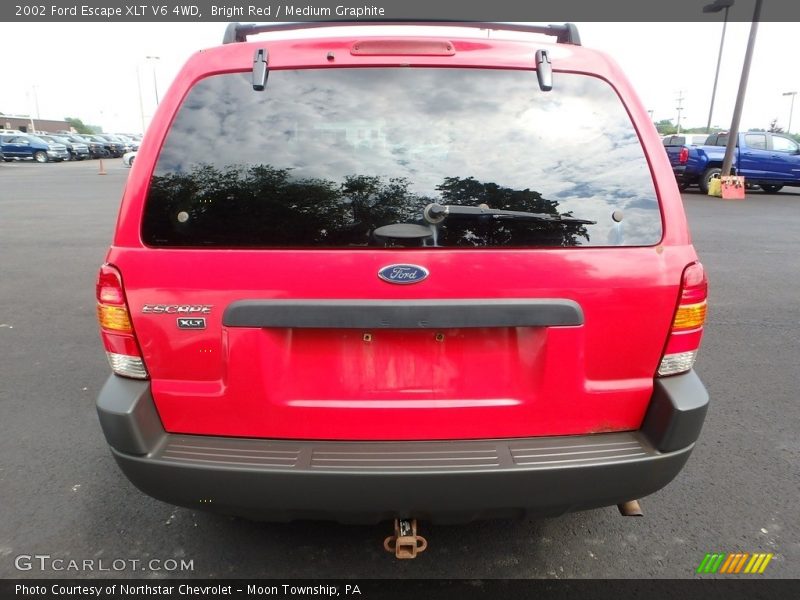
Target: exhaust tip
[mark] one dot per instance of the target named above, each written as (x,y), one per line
(630,509)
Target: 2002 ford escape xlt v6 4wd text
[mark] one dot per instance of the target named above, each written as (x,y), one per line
(369,276)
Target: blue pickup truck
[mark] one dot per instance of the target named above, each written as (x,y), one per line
(768,160)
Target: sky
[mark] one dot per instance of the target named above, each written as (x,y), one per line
(96,71)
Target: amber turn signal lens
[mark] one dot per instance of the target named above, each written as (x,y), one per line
(114,318)
(690,316)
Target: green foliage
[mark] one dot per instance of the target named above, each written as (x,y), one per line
(79,125)
(665,127)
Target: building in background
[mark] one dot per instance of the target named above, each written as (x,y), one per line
(30,125)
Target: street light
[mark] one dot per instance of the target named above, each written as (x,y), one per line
(716,7)
(155,85)
(791,108)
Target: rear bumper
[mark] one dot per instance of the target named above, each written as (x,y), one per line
(364,482)
(684,176)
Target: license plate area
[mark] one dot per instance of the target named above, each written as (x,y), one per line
(352,364)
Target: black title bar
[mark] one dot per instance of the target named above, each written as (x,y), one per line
(262,11)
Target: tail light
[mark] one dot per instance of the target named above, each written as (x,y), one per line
(116,329)
(687,324)
(683,156)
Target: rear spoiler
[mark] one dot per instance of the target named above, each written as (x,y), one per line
(564,34)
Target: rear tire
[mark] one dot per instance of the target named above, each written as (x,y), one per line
(771,188)
(40,156)
(708,175)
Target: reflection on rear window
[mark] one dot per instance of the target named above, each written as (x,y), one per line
(322,158)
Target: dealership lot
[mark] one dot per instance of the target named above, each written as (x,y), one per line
(62,495)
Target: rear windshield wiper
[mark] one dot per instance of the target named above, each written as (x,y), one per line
(436,213)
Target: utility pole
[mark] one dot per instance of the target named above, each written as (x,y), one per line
(679,109)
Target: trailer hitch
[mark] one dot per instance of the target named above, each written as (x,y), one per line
(405,543)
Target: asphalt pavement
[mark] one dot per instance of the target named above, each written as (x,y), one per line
(62,495)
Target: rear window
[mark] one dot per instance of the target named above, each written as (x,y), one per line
(685,140)
(323,158)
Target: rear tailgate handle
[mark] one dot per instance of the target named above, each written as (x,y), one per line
(404,314)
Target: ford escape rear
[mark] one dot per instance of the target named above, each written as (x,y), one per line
(365,276)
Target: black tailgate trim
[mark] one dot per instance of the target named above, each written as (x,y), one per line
(403,314)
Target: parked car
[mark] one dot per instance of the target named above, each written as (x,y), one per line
(768,160)
(24,146)
(128,158)
(96,149)
(76,150)
(132,143)
(124,143)
(112,148)
(356,308)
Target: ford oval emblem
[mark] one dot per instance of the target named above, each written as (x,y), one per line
(403,274)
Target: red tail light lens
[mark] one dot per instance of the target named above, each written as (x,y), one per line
(116,329)
(687,324)
(683,156)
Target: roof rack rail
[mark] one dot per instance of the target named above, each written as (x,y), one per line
(564,34)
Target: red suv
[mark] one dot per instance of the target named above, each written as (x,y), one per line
(419,274)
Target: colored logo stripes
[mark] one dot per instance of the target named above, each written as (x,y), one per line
(735,562)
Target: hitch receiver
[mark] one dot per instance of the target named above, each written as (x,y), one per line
(405,543)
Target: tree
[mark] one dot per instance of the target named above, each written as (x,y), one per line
(665,127)
(79,125)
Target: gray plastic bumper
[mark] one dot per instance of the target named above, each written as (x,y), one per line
(368,482)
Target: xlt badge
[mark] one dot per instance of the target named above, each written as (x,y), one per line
(191,323)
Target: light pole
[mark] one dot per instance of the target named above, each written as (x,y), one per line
(733,133)
(791,109)
(36,101)
(715,7)
(155,84)
(141,105)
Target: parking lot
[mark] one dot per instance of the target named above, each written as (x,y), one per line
(62,495)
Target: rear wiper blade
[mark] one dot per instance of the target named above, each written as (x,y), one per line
(436,213)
